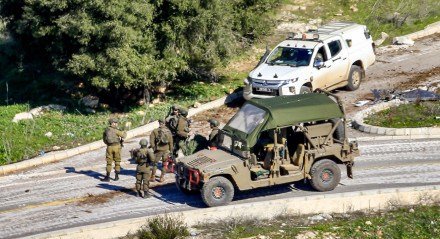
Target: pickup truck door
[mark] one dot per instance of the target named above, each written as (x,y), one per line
(320,76)
(339,58)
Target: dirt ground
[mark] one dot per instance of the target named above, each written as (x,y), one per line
(398,69)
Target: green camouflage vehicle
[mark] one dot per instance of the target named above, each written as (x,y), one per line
(269,142)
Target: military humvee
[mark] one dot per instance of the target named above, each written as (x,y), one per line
(272,141)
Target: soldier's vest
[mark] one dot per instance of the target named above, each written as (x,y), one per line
(142,157)
(110,137)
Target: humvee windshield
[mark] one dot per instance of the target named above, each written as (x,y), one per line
(247,119)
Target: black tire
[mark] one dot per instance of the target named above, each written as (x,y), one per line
(182,189)
(355,78)
(217,191)
(325,175)
(339,133)
(305,90)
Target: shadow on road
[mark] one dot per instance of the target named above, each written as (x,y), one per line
(97,175)
(170,194)
(273,190)
(117,188)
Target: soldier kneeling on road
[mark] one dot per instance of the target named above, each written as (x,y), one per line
(144,158)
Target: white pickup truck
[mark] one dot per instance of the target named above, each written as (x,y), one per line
(333,56)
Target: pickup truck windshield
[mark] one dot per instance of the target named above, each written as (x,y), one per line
(247,119)
(290,56)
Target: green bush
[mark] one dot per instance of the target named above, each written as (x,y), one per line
(161,227)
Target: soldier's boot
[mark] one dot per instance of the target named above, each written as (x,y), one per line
(146,194)
(117,176)
(106,178)
(138,193)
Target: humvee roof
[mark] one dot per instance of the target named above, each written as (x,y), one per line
(289,110)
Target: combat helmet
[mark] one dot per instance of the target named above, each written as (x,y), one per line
(143,142)
(213,122)
(175,107)
(112,120)
(183,112)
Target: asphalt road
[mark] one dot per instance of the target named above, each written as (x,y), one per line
(69,193)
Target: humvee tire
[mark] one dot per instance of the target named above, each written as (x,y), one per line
(325,175)
(355,78)
(217,191)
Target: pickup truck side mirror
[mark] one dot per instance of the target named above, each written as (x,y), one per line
(318,63)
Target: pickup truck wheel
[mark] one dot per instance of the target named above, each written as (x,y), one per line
(354,79)
(305,90)
(339,133)
(217,191)
(325,175)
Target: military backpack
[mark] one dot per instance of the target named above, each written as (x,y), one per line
(162,137)
(110,136)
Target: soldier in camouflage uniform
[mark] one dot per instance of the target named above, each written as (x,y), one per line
(171,119)
(161,142)
(182,131)
(214,135)
(113,138)
(144,158)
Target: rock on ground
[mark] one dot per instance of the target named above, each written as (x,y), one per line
(22,116)
(403,41)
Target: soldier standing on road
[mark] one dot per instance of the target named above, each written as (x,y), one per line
(161,142)
(214,135)
(113,138)
(144,159)
(182,130)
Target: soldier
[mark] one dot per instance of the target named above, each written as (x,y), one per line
(113,138)
(171,119)
(182,130)
(144,158)
(213,136)
(161,142)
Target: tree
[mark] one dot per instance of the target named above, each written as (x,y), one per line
(103,42)
(127,45)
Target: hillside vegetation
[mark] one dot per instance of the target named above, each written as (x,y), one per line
(121,49)
(57,51)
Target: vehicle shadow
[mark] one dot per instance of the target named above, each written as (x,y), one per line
(170,194)
(273,190)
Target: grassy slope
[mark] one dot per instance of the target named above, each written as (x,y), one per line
(419,222)
(25,140)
